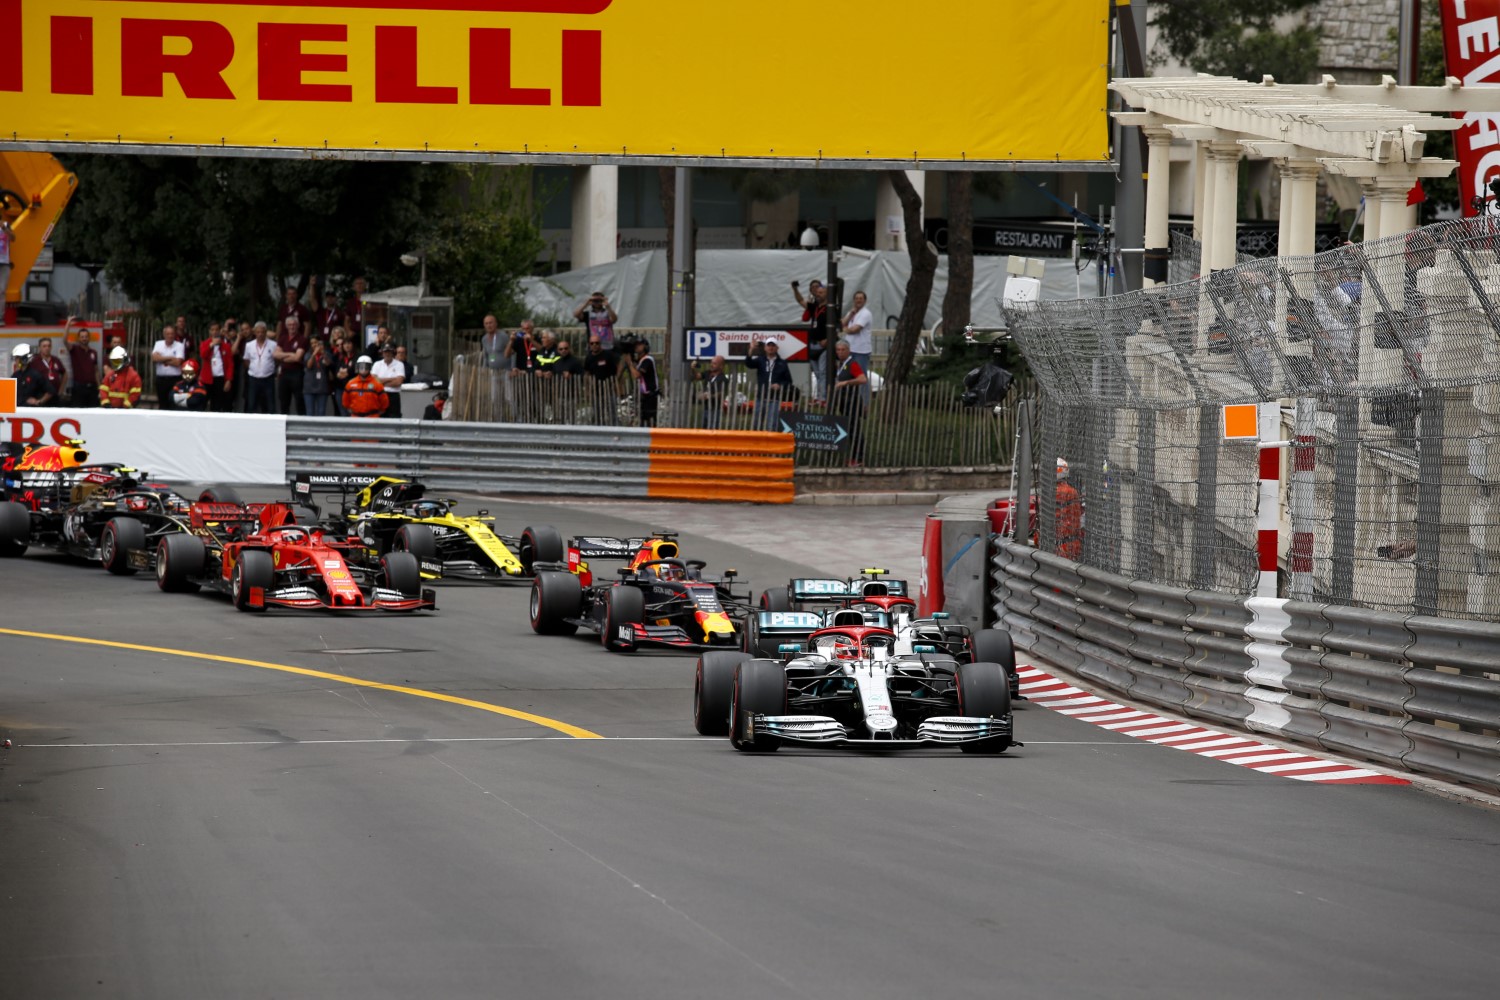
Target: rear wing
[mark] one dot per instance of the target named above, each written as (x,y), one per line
(606,546)
(788,623)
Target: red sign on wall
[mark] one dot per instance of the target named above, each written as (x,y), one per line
(1471,41)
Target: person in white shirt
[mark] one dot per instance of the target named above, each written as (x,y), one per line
(857,325)
(167,354)
(390,373)
(260,372)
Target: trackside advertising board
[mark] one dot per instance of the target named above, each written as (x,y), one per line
(872,81)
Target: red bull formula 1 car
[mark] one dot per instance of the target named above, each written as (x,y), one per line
(53,497)
(659,599)
(262,558)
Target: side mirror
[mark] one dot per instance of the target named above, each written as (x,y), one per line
(625,572)
(730,574)
(483,513)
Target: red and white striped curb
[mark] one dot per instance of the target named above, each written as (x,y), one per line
(1041,688)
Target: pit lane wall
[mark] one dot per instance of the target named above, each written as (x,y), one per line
(626,462)
(1412,692)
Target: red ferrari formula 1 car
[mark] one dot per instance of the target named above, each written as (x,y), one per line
(262,558)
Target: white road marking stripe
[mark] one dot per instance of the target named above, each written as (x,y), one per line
(1173,728)
(1113,714)
(1305,765)
(1057,704)
(1181,740)
(1219,741)
(1090,710)
(1353,772)
(1255,760)
(297,743)
(1235,751)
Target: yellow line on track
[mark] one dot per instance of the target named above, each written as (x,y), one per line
(483,706)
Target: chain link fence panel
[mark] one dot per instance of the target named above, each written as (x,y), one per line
(1394,343)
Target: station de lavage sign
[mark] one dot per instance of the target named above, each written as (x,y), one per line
(837,80)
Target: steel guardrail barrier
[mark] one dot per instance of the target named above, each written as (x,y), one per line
(1411,692)
(623,462)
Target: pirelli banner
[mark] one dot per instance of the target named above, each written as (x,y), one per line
(860,82)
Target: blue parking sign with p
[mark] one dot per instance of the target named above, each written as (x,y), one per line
(701,344)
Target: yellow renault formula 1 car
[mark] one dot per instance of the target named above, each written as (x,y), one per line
(388,513)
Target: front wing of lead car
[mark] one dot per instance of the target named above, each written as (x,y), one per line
(822,731)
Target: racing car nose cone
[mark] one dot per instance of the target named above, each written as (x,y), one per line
(881,725)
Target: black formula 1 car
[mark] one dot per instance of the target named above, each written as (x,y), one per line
(52,497)
(658,598)
(397,515)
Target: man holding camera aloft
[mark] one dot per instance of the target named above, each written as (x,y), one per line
(600,317)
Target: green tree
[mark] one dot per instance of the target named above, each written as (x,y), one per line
(924,262)
(1432,70)
(483,241)
(218,236)
(1238,39)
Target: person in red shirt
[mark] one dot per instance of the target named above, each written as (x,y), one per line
(329,318)
(51,369)
(216,373)
(291,349)
(354,311)
(290,306)
(85,364)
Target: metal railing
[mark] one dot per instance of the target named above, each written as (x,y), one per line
(1407,691)
(915,426)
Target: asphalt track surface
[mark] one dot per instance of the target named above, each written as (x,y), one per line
(174,826)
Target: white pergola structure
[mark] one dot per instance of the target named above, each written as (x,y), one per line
(1305,129)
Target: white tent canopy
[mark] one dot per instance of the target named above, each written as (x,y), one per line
(753,287)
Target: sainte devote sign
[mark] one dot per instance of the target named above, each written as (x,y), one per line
(844,82)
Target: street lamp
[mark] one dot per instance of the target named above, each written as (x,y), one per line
(412,260)
(832,308)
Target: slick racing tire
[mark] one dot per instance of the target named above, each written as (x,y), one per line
(179,557)
(15,530)
(984,692)
(540,544)
(776,599)
(219,494)
(713,690)
(401,572)
(993,645)
(120,536)
(623,606)
(759,689)
(555,597)
(254,568)
(417,539)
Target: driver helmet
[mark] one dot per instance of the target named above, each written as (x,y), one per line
(427,508)
(118,358)
(293,534)
(189,368)
(363,364)
(846,650)
(667,571)
(20,352)
(1062,469)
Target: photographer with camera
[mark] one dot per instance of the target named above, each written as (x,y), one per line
(643,368)
(600,317)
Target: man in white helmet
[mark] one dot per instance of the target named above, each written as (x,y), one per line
(31,387)
(121,388)
(364,394)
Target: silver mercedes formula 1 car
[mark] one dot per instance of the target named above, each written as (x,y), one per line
(848,686)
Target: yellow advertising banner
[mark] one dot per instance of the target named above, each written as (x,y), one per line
(838,80)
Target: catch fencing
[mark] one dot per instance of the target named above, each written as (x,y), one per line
(1386,356)
(626,462)
(1414,692)
(911,426)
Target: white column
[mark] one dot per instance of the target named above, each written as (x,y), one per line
(1158,201)
(888,211)
(596,215)
(1200,189)
(1372,210)
(1303,178)
(1224,160)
